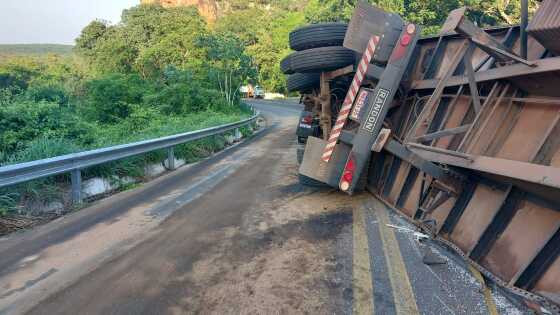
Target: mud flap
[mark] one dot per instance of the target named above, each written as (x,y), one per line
(328,173)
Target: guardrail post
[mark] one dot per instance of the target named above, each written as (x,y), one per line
(237,134)
(171,158)
(76,186)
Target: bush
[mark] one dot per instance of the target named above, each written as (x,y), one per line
(110,98)
(53,93)
(23,121)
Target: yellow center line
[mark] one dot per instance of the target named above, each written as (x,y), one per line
(361,269)
(405,301)
(490,304)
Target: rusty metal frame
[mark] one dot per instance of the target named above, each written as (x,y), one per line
(457,21)
(443,133)
(470,75)
(543,258)
(524,171)
(459,207)
(499,222)
(407,186)
(438,52)
(506,72)
(431,105)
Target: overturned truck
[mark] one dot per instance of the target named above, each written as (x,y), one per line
(459,132)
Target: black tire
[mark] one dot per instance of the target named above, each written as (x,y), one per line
(317,60)
(303,82)
(318,35)
(299,154)
(308,181)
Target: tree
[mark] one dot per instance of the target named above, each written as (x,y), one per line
(148,39)
(229,66)
(87,41)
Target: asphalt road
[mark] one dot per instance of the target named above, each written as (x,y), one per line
(234,234)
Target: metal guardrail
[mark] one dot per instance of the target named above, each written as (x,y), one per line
(74,163)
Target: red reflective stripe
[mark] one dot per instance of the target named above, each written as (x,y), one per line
(345,112)
(350,97)
(354,91)
(337,130)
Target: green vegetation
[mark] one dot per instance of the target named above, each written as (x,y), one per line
(7,50)
(159,72)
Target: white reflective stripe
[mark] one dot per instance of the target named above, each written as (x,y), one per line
(356,87)
(360,75)
(368,55)
(351,96)
(362,67)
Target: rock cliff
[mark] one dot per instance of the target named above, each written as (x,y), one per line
(207,8)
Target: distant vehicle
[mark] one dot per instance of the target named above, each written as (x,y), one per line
(250,91)
(258,92)
(244,90)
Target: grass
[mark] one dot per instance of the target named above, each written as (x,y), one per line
(15,199)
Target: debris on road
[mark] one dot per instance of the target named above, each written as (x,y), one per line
(419,236)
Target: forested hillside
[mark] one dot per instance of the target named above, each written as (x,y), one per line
(7,50)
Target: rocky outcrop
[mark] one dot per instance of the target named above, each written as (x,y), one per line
(207,8)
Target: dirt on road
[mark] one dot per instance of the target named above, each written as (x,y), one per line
(258,243)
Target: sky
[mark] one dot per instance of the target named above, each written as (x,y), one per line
(54,21)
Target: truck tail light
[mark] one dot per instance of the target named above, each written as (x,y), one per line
(307,120)
(348,174)
(405,40)
(407,37)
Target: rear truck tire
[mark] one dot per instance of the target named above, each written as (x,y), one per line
(299,153)
(317,60)
(303,82)
(318,35)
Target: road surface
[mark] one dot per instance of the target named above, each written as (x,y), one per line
(235,234)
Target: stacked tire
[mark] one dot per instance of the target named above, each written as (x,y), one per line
(317,48)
